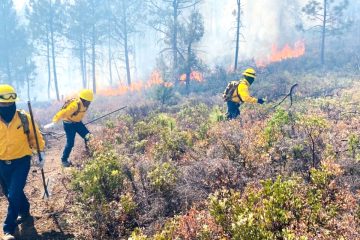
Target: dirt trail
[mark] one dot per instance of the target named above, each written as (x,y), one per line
(49,215)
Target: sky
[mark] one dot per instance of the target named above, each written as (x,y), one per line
(19,3)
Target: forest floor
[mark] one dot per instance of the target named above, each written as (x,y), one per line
(49,215)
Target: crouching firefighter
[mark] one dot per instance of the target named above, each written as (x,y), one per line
(72,113)
(17,143)
(237,92)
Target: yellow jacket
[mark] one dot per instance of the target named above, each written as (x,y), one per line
(14,143)
(243,92)
(74,112)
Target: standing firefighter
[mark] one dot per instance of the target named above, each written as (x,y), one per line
(237,92)
(17,143)
(72,113)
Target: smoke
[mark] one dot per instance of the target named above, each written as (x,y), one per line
(264,23)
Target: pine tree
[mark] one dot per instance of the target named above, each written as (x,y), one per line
(167,22)
(16,67)
(46,24)
(328,18)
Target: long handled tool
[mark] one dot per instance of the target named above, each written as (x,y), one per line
(94,120)
(290,94)
(38,150)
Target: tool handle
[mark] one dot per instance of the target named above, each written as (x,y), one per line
(35,133)
(38,149)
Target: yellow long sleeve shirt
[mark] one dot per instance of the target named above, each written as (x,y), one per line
(74,112)
(14,143)
(243,92)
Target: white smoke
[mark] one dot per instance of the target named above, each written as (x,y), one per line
(264,23)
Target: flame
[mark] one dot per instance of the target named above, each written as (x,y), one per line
(285,53)
(155,79)
(194,75)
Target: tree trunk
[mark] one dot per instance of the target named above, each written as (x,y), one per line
(48,62)
(93,42)
(93,58)
(110,61)
(126,43)
(109,46)
(117,72)
(323,34)
(127,61)
(27,80)
(188,69)
(82,63)
(7,54)
(237,35)
(52,41)
(54,66)
(85,66)
(8,68)
(174,41)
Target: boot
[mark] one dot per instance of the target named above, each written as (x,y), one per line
(8,236)
(22,218)
(66,163)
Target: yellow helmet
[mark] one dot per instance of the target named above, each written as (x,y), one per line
(250,72)
(87,95)
(7,94)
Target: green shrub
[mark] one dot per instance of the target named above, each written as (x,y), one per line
(138,235)
(163,176)
(163,120)
(274,127)
(101,180)
(216,115)
(103,208)
(281,209)
(128,204)
(164,94)
(171,145)
(354,144)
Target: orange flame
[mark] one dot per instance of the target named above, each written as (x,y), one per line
(194,75)
(155,79)
(285,53)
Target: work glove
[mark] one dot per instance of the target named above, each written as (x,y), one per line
(261,101)
(88,137)
(40,162)
(49,125)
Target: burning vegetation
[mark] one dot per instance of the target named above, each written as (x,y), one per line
(277,55)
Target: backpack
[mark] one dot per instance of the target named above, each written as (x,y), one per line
(229,90)
(25,123)
(68,102)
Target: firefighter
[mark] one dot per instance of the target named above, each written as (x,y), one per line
(72,114)
(237,92)
(17,143)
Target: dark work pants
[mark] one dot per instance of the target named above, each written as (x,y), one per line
(71,128)
(233,110)
(13,179)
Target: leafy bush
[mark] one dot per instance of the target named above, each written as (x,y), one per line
(101,180)
(104,209)
(354,144)
(163,176)
(194,225)
(286,209)
(275,127)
